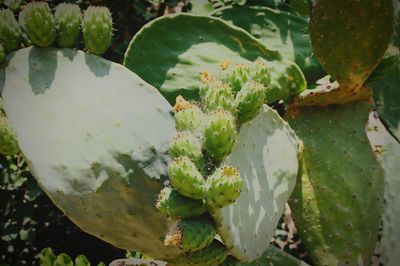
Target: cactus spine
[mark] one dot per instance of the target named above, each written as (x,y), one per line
(97,29)
(68,23)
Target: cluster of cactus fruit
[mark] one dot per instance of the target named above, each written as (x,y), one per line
(38,26)
(199,179)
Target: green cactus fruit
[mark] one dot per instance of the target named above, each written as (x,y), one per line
(47,257)
(185,178)
(260,73)
(219,134)
(220,97)
(63,260)
(186,144)
(2,54)
(172,204)
(349,38)
(8,140)
(236,76)
(68,22)
(335,217)
(249,100)
(191,234)
(188,117)
(97,29)
(223,187)
(37,21)
(111,165)
(10,32)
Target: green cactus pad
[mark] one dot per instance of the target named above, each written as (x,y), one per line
(191,234)
(249,100)
(170,53)
(101,166)
(349,37)
(389,63)
(266,155)
(223,187)
(8,140)
(185,178)
(189,117)
(219,134)
(278,30)
(68,22)
(37,22)
(219,97)
(97,29)
(10,32)
(186,144)
(338,201)
(172,204)
(387,150)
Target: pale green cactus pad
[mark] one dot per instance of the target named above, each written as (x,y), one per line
(338,202)
(278,30)
(247,226)
(90,130)
(387,150)
(172,51)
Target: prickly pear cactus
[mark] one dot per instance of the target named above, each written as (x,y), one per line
(37,22)
(106,169)
(68,22)
(338,201)
(8,141)
(191,44)
(342,31)
(10,32)
(97,29)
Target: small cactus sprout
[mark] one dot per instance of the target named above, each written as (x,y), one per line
(186,178)
(219,134)
(97,29)
(188,116)
(10,32)
(2,54)
(68,22)
(172,204)
(37,21)
(186,144)
(8,140)
(219,97)
(237,75)
(249,101)
(223,187)
(191,234)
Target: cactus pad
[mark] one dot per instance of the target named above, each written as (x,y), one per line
(336,218)
(68,22)
(10,32)
(186,178)
(219,134)
(106,169)
(349,37)
(249,101)
(37,22)
(171,203)
(97,29)
(170,53)
(247,226)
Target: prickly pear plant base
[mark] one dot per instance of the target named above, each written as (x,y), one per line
(338,201)
(100,165)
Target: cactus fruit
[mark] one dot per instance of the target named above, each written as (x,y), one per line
(237,75)
(186,144)
(219,97)
(97,29)
(8,140)
(185,178)
(188,116)
(37,22)
(223,187)
(219,134)
(191,234)
(2,54)
(68,22)
(10,32)
(342,31)
(171,203)
(249,100)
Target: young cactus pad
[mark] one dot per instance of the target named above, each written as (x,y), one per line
(172,63)
(37,22)
(338,202)
(97,29)
(247,226)
(10,32)
(101,166)
(68,21)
